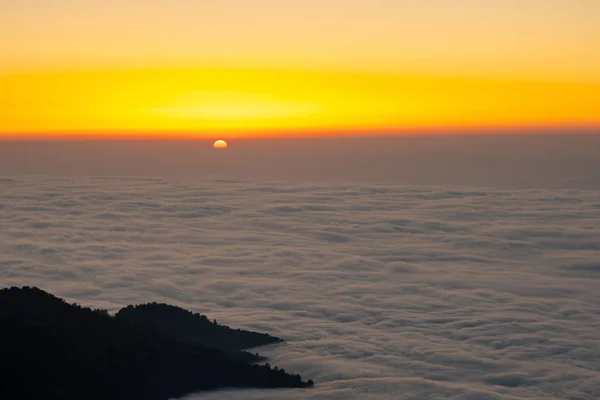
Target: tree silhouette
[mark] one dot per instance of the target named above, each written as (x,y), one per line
(54,350)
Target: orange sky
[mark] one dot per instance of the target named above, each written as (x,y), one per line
(239,68)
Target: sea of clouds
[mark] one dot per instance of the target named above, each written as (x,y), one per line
(381,291)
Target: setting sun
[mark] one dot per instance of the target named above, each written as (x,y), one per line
(220,144)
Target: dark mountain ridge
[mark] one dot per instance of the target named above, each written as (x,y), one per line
(196,329)
(54,350)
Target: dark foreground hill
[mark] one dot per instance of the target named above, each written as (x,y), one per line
(193,328)
(50,349)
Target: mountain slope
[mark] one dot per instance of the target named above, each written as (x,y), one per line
(54,350)
(193,328)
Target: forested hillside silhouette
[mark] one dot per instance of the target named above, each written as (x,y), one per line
(194,328)
(54,350)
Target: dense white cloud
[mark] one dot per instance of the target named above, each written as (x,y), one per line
(382,291)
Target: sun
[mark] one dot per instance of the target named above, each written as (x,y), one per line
(220,144)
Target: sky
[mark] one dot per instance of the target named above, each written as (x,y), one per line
(237,68)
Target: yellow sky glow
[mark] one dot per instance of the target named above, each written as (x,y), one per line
(238,68)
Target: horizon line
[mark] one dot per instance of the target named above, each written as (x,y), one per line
(366,133)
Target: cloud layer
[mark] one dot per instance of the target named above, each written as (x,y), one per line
(382,291)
